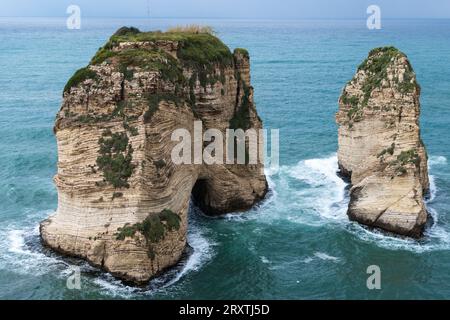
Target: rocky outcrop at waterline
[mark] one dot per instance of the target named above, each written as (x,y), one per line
(380,147)
(122,202)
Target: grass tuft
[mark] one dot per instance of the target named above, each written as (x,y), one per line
(80,76)
(154,228)
(192,28)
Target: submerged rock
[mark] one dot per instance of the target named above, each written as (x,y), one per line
(122,202)
(380,148)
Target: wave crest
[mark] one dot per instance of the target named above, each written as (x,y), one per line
(311,193)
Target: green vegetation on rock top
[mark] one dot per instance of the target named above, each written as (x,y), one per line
(376,69)
(376,66)
(195,48)
(242,51)
(198,49)
(123,31)
(379,59)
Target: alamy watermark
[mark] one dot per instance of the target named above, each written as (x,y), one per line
(374,20)
(73,22)
(73,282)
(374,280)
(236,147)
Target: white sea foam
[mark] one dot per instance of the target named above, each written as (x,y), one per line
(17,254)
(316,181)
(113,287)
(323,200)
(433,189)
(311,193)
(325,256)
(433,162)
(264,260)
(436,161)
(316,257)
(308,260)
(202,252)
(258,210)
(21,251)
(437,236)
(17,242)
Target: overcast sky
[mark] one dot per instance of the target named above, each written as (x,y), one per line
(253,9)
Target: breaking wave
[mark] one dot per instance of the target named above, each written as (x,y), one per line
(22,251)
(308,193)
(311,193)
(199,252)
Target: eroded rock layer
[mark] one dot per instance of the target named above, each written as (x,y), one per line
(122,202)
(380,148)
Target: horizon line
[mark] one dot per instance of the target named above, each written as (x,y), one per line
(231,18)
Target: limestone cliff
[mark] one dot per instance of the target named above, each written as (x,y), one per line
(380,148)
(122,202)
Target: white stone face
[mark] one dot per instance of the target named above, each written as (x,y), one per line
(90,210)
(380,145)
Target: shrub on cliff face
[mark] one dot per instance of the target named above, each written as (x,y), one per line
(155,99)
(102,55)
(159,164)
(151,60)
(203,54)
(353,102)
(410,156)
(115,159)
(376,68)
(241,117)
(153,228)
(403,159)
(80,76)
(126,30)
(243,52)
(389,151)
(144,59)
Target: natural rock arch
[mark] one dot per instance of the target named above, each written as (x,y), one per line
(122,202)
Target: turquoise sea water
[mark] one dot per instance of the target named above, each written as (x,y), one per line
(299,243)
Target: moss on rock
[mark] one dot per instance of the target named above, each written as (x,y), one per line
(202,53)
(154,228)
(409,157)
(115,159)
(80,76)
(241,117)
(243,52)
(375,68)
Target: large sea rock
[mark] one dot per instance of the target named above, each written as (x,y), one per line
(122,202)
(380,147)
